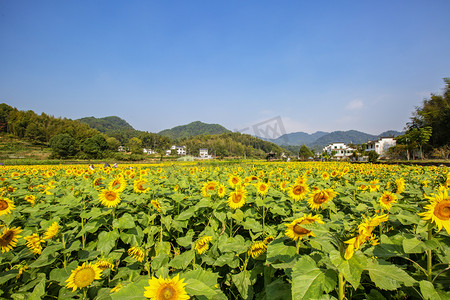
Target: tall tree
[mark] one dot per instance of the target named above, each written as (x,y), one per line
(435,112)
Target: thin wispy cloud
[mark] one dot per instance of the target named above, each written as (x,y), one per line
(355,105)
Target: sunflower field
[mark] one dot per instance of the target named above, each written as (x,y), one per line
(225,231)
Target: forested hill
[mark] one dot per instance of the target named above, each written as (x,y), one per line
(107,124)
(232,144)
(193,129)
(40,128)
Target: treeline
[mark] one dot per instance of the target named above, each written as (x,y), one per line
(232,144)
(74,139)
(428,133)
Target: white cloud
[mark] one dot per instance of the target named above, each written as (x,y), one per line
(354,105)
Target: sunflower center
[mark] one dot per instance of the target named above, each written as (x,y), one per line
(300,230)
(110,196)
(6,239)
(442,210)
(167,292)
(298,190)
(387,199)
(237,198)
(3,204)
(320,198)
(84,277)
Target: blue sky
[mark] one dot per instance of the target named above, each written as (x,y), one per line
(318,65)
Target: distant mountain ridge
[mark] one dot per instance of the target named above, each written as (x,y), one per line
(321,139)
(193,129)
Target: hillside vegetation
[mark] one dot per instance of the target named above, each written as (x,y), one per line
(193,129)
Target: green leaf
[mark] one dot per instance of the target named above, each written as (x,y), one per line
(183,260)
(132,291)
(39,288)
(107,241)
(124,222)
(61,275)
(228,258)
(205,276)
(278,253)
(310,282)
(278,290)
(196,287)
(186,240)
(352,268)
(160,260)
(387,276)
(252,224)
(235,244)
(428,291)
(243,284)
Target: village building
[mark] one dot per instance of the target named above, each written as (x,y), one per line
(203,153)
(148,151)
(381,145)
(181,150)
(340,150)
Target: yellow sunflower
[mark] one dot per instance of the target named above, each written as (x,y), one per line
(166,289)
(386,200)
(156,205)
(325,176)
(237,198)
(51,231)
(262,188)
(438,211)
(202,244)
(234,181)
(298,191)
(118,184)
(117,288)
(221,191)
(364,234)
(257,248)
(137,253)
(83,276)
(320,197)
(209,188)
(6,206)
(296,232)
(9,238)
(31,199)
(400,183)
(374,185)
(268,239)
(109,198)
(140,186)
(34,243)
(104,264)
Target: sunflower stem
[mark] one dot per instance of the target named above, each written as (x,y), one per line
(231,227)
(341,286)
(429,256)
(64,247)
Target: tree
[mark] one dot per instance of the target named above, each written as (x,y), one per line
(435,112)
(113,143)
(63,146)
(304,152)
(135,145)
(95,146)
(420,136)
(373,156)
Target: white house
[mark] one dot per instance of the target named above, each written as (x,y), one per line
(203,153)
(148,151)
(121,149)
(341,150)
(181,150)
(381,146)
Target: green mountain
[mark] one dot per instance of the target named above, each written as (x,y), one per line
(350,136)
(193,129)
(232,144)
(107,124)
